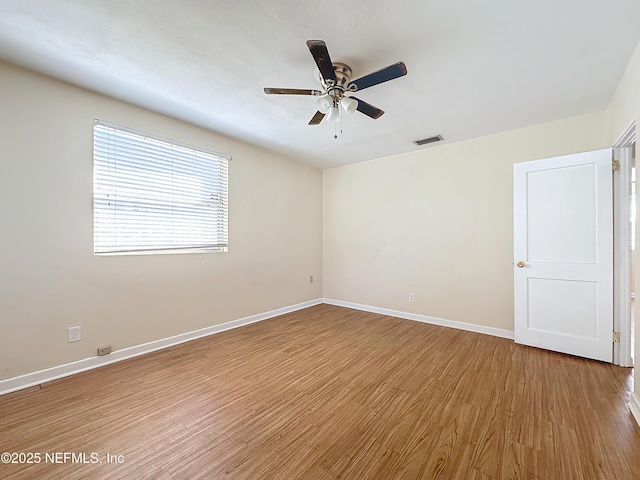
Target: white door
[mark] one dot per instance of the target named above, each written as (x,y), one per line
(563,246)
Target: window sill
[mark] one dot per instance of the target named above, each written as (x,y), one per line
(173,251)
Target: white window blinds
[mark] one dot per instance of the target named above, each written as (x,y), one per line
(151,194)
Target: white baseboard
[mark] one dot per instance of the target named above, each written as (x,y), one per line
(496,332)
(634,406)
(36,378)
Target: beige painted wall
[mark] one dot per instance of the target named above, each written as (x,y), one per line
(438,222)
(49,277)
(624,107)
(623,110)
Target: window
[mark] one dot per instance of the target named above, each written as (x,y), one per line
(152,195)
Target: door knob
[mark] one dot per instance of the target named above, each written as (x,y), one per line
(520,264)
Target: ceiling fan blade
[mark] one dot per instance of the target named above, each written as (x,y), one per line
(291,91)
(389,73)
(368,109)
(317,118)
(320,54)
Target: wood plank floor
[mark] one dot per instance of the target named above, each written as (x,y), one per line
(331,393)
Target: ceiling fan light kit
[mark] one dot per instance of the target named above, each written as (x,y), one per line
(336,82)
(324,104)
(349,104)
(334,114)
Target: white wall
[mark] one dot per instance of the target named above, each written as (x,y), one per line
(49,277)
(623,110)
(438,222)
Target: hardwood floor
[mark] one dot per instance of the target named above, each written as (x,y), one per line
(331,393)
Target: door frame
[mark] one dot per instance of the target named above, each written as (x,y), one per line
(623,269)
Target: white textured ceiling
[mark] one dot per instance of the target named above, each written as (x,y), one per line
(475,67)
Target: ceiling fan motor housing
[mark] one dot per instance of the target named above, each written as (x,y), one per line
(343,77)
(343,74)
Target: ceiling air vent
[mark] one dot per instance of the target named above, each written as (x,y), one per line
(424,141)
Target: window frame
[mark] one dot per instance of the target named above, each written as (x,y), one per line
(170,143)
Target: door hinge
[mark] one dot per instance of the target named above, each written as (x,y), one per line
(615,164)
(616,337)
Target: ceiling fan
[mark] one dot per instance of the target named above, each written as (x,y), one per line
(336,82)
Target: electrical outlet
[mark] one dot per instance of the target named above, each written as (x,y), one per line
(412,297)
(75,334)
(310,278)
(106,350)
